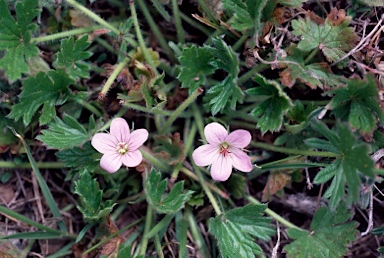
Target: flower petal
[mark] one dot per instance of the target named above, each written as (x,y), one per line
(215,133)
(132,158)
(111,162)
(120,129)
(104,142)
(239,138)
(205,155)
(137,138)
(221,168)
(241,160)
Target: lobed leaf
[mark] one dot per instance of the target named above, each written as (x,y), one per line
(155,189)
(90,195)
(15,37)
(273,108)
(235,231)
(66,133)
(195,66)
(334,40)
(358,102)
(329,236)
(353,159)
(71,55)
(45,89)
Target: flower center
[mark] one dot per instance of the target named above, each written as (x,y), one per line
(122,148)
(224,149)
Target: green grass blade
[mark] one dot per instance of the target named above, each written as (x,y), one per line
(43,185)
(34,235)
(24,219)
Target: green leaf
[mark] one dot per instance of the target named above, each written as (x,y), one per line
(47,90)
(235,231)
(273,108)
(353,159)
(329,236)
(333,40)
(195,66)
(358,102)
(66,133)
(247,14)
(90,195)
(225,94)
(313,75)
(155,189)
(15,37)
(79,157)
(72,55)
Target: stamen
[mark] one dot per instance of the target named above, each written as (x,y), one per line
(122,148)
(224,149)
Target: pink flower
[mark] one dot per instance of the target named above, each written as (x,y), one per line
(120,146)
(223,151)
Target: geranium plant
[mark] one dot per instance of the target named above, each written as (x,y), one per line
(155,128)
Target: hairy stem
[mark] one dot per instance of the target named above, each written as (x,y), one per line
(93,16)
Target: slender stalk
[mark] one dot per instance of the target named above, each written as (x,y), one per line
(152,110)
(195,24)
(155,29)
(40,165)
(311,55)
(139,36)
(294,151)
(154,161)
(180,109)
(159,250)
(205,8)
(208,192)
(214,188)
(160,8)
(274,215)
(108,124)
(91,108)
(240,42)
(113,76)
(199,121)
(251,73)
(93,16)
(64,34)
(179,27)
(148,224)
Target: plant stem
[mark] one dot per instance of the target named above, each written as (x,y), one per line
(240,42)
(179,27)
(250,73)
(155,29)
(274,215)
(42,165)
(113,76)
(294,151)
(205,8)
(139,36)
(195,24)
(207,191)
(311,55)
(108,124)
(64,34)
(148,223)
(199,121)
(180,109)
(93,16)
(91,108)
(151,110)
(154,161)
(211,186)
